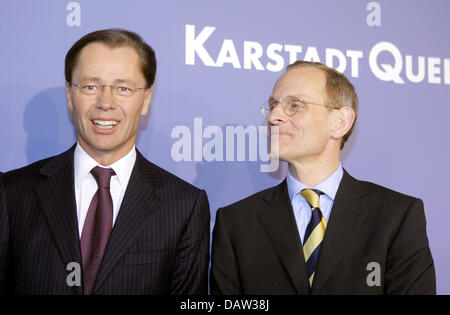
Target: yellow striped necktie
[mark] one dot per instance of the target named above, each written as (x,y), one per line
(314,233)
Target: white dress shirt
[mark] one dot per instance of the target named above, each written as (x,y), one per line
(302,209)
(86,185)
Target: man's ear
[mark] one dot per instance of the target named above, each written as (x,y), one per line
(147,99)
(69,97)
(342,121)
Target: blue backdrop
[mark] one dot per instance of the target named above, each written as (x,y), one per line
(217,62)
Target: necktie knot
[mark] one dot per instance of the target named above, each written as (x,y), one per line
(312,196)
(102,176)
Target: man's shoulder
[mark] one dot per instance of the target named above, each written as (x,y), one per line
(379,201)
(46,166)
(26,173)
(375,191)
(252,203)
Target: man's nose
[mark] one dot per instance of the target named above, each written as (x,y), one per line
(106,99)
(276,116)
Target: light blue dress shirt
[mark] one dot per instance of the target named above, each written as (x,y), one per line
(302,210)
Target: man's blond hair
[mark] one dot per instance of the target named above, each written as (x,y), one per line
(340,92)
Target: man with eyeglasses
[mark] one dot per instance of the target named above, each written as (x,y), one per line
(320,231)
(100,218)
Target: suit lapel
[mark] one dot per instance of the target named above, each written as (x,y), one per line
(345,219)
(139,205)
(277,217)
(56,195)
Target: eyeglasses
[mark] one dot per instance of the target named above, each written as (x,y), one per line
(119,91)
(290,105)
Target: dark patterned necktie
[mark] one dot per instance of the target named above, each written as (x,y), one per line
(314,233)
(97,227)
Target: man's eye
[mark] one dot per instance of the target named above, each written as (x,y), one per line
(90,87)
(123,89)
(297,105)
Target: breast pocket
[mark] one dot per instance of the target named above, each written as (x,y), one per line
(144,258)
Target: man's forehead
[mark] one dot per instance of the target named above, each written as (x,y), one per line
(107,51)
(300,79)
(97,59)
(304,73)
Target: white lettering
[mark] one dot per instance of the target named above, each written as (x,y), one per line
(198,139)
(228,54)
(293,50)
(374,17)
(415,78)
(194,45)
(213,149)
(434,70)
(330,54)
(374,277)
(252,52)
(74,17)
(274,57)
(194,305)
(354,55)
(241,133)
(216,144)
(181,149)
(447,71)
(274,151)
(311,54)
(389,72)
(74,277)
(271,54)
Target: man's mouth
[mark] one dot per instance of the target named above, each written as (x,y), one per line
(105,124)
(283,133)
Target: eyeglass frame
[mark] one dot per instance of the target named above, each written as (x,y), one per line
(113,88)
(284,106)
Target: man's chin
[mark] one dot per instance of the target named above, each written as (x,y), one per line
(277,152)
(101,148)
(283,156)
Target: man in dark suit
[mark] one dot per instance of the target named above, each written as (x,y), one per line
(100,218)
(320,231)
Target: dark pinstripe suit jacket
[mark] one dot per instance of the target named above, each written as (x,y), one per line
(159,243)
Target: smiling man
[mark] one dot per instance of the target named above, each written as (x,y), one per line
(129,226)
(320,231)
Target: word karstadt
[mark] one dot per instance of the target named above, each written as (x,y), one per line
(398,68)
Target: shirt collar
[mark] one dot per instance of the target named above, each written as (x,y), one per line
(84,163)
(329,186)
